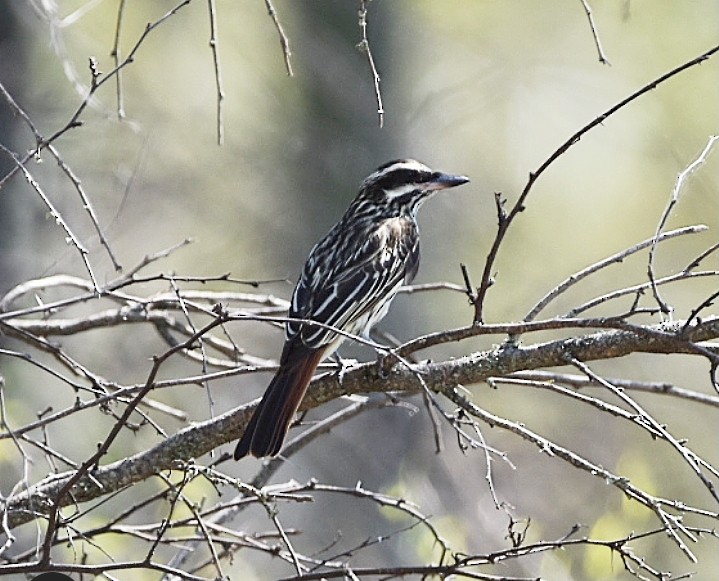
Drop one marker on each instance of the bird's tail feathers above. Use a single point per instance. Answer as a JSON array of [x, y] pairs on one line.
[[266, 431]]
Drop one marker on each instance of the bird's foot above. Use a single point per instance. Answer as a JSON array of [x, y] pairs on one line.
[[343, 366]]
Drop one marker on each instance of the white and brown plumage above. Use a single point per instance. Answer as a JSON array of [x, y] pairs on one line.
[[348, 283]]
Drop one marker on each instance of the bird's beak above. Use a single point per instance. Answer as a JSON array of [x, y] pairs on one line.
[[441, 181]]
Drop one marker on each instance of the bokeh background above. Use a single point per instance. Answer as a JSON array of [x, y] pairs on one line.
[[484, 88]]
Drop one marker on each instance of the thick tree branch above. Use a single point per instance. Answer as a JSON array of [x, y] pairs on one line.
[[441, 377]]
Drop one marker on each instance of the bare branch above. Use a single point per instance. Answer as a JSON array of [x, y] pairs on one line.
[[363, 46], [284, 41], [117, 58], [561, 150], [615, 258], [441, 377], [214, 47], [578, 381], [595, 35], [177, 501], [71, 238], [681, 178]]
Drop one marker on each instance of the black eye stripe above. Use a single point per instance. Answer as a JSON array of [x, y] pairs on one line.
[[398, 172], [401, 177]]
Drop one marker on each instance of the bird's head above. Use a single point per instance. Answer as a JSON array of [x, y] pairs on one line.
[[405, 183]]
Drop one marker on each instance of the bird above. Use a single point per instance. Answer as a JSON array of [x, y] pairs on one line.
[[347, 283]]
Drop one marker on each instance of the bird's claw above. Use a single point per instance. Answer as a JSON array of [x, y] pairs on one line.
[[343, 366]]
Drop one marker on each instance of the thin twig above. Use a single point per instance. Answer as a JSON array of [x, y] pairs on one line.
[[588, 11], [550, 385], [86, 204], [71, 238], [74, 120], [116, 57], [431, 286], [615, 258], [93, 460], [469, 289], [697, 261], [689, 456], [214, 47], [363, 46], [707, 302], [656, 504], [21, 113], [519, 205], [638, 289], [673, 200], [284, 41], [582, 381], [272, 513]]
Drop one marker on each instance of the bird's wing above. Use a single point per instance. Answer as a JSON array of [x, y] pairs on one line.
[[348, 289]]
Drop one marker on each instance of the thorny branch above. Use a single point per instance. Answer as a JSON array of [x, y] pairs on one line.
[[506, 219]]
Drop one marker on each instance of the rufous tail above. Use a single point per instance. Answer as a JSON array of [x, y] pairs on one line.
[[266, 431]]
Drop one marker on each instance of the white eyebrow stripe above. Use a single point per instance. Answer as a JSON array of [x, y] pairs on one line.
[[400, 191]]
